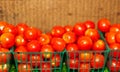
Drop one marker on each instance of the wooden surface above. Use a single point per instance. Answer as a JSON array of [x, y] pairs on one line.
[[44, 14]]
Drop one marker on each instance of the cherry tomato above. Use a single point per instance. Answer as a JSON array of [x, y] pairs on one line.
[[4, 55], [68, 28], [24, 68], [57, 31], [84, 43], [47, 51], [69, 37], [115, 47], [44, 39], [2, 25], [21, 28], [84, 67], [97, 61], [45, 67], [20, 41], [33, 46], [30, 33], [99, 45], [35, 60], [104, 25], [89, 24], [21, 55], [117, 37], [114, 65], [7, 40], [4, 68], [110, 37], [56, 59], [72, 50], [73, 63], [93, 34], [58, 44], [85, 56], [114, 29], [79, 29]]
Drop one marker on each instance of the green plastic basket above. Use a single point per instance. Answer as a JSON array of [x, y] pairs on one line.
[[37, 66], [89, 68]]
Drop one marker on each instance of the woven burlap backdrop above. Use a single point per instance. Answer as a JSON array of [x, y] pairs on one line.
[[46, 13]]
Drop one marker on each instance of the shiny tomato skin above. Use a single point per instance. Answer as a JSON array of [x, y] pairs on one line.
[[69, 37], [114, 29], [93, 34], [33, 46], [117, 37], [58, 44], [68, 28], [9, 29], [47, 51], [110, 37], [45, 67], [20, 41], [24, 68], [7, 40], [104, 25], [44, 39], [85, 56], [56, 59], [99, 45], [89, 24], [30, 34], [73, 63], [97, 61], [3, 24], [4, 67], [84, 67], [84, 43], [4, 55], [116, 48], [72, 50], [57, 31], [21, 28], [114, 65], [79, 29], [21, 55]]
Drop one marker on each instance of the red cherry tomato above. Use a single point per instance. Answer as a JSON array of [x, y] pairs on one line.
[[72, 50], [115, 47], [33, 46], [110, 37], [84, 67], [7, 40], [31, 34], [117, 37], [2, 25], [104, 25], [99, 45], [45, 67], [85, 56], [47, 51], [97, 61], [44, 39], [20, 54], [57, 31], [73, 63], [79, 29], [68, 28], [58, 44], [4, 55], [21, 28], [24, 68], [56, 59], [84, 43], [93, 34], [20, 41], [89, 24], [114, 29], [69, 37]]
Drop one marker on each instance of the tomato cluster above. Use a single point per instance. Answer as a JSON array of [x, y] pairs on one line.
[[112, 37]]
